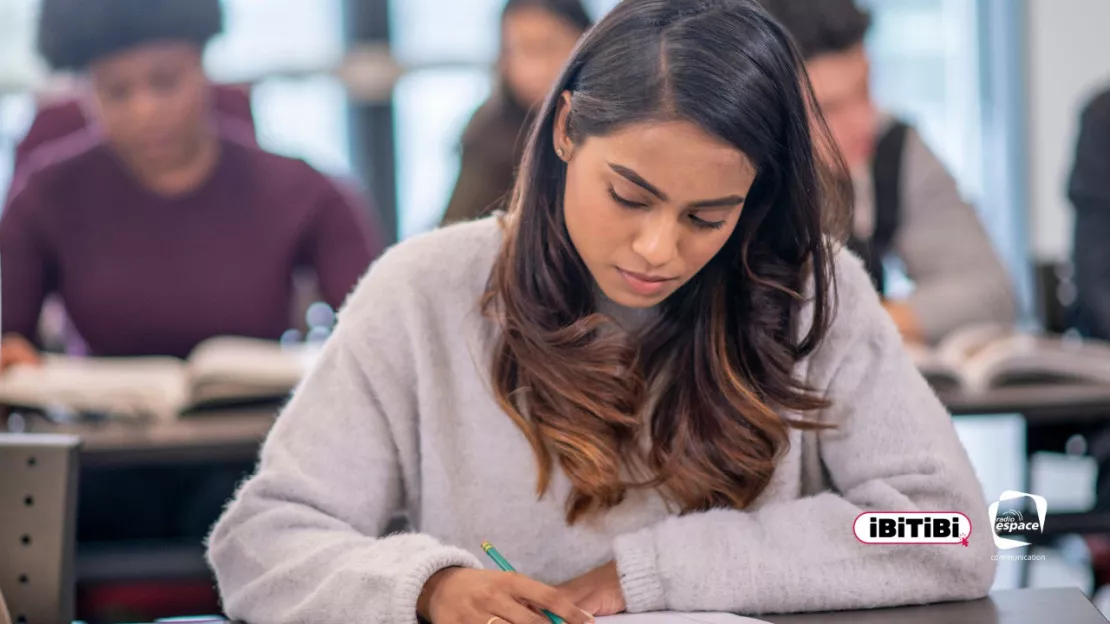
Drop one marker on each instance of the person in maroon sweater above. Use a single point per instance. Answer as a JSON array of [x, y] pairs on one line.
[[58, 117], [157, 226], [161, 225]]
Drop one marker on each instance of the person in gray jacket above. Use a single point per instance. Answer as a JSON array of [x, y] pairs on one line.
[[908, 205]]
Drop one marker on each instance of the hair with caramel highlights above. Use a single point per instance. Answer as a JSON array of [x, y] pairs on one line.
[[591, 399]]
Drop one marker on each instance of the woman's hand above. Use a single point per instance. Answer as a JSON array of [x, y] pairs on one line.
[[597, 591], [906, 320], [465, 596], [15, 349]]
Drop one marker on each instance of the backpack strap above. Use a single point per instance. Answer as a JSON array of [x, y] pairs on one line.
[[886, 175]]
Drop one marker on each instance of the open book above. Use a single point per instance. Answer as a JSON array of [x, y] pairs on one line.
[[219, 371], [982, 357]]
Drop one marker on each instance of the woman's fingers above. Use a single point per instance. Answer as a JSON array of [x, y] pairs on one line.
[[512, 612], [550, 599], [462, 596]]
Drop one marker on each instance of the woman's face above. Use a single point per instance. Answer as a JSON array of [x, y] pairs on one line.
[[535, 44], [842, 90], [650, 205], [152, 101]]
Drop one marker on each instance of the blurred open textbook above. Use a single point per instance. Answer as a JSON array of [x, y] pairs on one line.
[[980, 358], [220, 371]]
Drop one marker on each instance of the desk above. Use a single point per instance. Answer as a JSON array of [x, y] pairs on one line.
[[218, 436], [1052, 413], [1020, 606], [1040, 405], [236, 434], [206, 438]]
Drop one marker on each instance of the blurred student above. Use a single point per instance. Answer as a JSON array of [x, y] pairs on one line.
[[60, 116], [908, 206], [1089, 191], [158, 226], [537, 37], [656, 383]]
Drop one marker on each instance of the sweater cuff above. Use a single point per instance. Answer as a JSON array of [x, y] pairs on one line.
[[421, 568], [639, 572]]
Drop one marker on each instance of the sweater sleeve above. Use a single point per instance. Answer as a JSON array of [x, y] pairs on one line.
[[27, 262], [959, 278], [342, 240], [893, 449], [301, 540]]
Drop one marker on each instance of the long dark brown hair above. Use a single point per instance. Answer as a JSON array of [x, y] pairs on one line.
[[716, 367]]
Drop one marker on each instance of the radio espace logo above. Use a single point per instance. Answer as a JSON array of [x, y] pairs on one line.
[[912, 527], [1011, 520]]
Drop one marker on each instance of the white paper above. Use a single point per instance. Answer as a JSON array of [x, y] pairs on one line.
[[671, 617]]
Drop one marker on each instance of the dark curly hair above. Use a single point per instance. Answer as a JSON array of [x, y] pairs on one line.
[[821, 26], [74, 33], [718, 428]]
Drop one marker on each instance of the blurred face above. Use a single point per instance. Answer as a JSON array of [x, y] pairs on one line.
[[842, 89], [535, 45], [650, 205], [152, 101]]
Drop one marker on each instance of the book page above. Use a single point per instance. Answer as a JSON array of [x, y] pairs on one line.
[[232, 368], [939, 374], [1025, 359], [674, 617], [128, 387], [961, 345]]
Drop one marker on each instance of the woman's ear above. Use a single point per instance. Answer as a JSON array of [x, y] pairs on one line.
[[560, 136]]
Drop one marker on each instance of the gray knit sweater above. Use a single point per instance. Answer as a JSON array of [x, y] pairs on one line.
[[958, 276], [398, 415]]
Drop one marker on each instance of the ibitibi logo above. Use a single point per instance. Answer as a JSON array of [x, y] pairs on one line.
[[912, 527], [1012, 521]]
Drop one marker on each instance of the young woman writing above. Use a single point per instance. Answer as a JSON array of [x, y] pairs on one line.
[[656, 383]]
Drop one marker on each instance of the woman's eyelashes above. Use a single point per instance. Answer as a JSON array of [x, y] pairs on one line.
[[708, 225], [627, 203], [635, 205]]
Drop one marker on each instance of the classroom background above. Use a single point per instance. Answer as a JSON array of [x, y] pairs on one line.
[[379, 91]]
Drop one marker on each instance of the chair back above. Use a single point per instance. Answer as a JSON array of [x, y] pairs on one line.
[[38, 503]]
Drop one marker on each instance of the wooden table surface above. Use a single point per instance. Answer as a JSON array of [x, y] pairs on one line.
[[231, 435], [235, 435]]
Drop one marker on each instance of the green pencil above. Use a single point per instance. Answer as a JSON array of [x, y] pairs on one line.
[[505, 566]]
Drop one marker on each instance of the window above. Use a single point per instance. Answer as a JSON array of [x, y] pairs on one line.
[[452, 46], [299, 111], [433, 31], [20, 69], [952, 68], [432, 107], [923, 56]]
